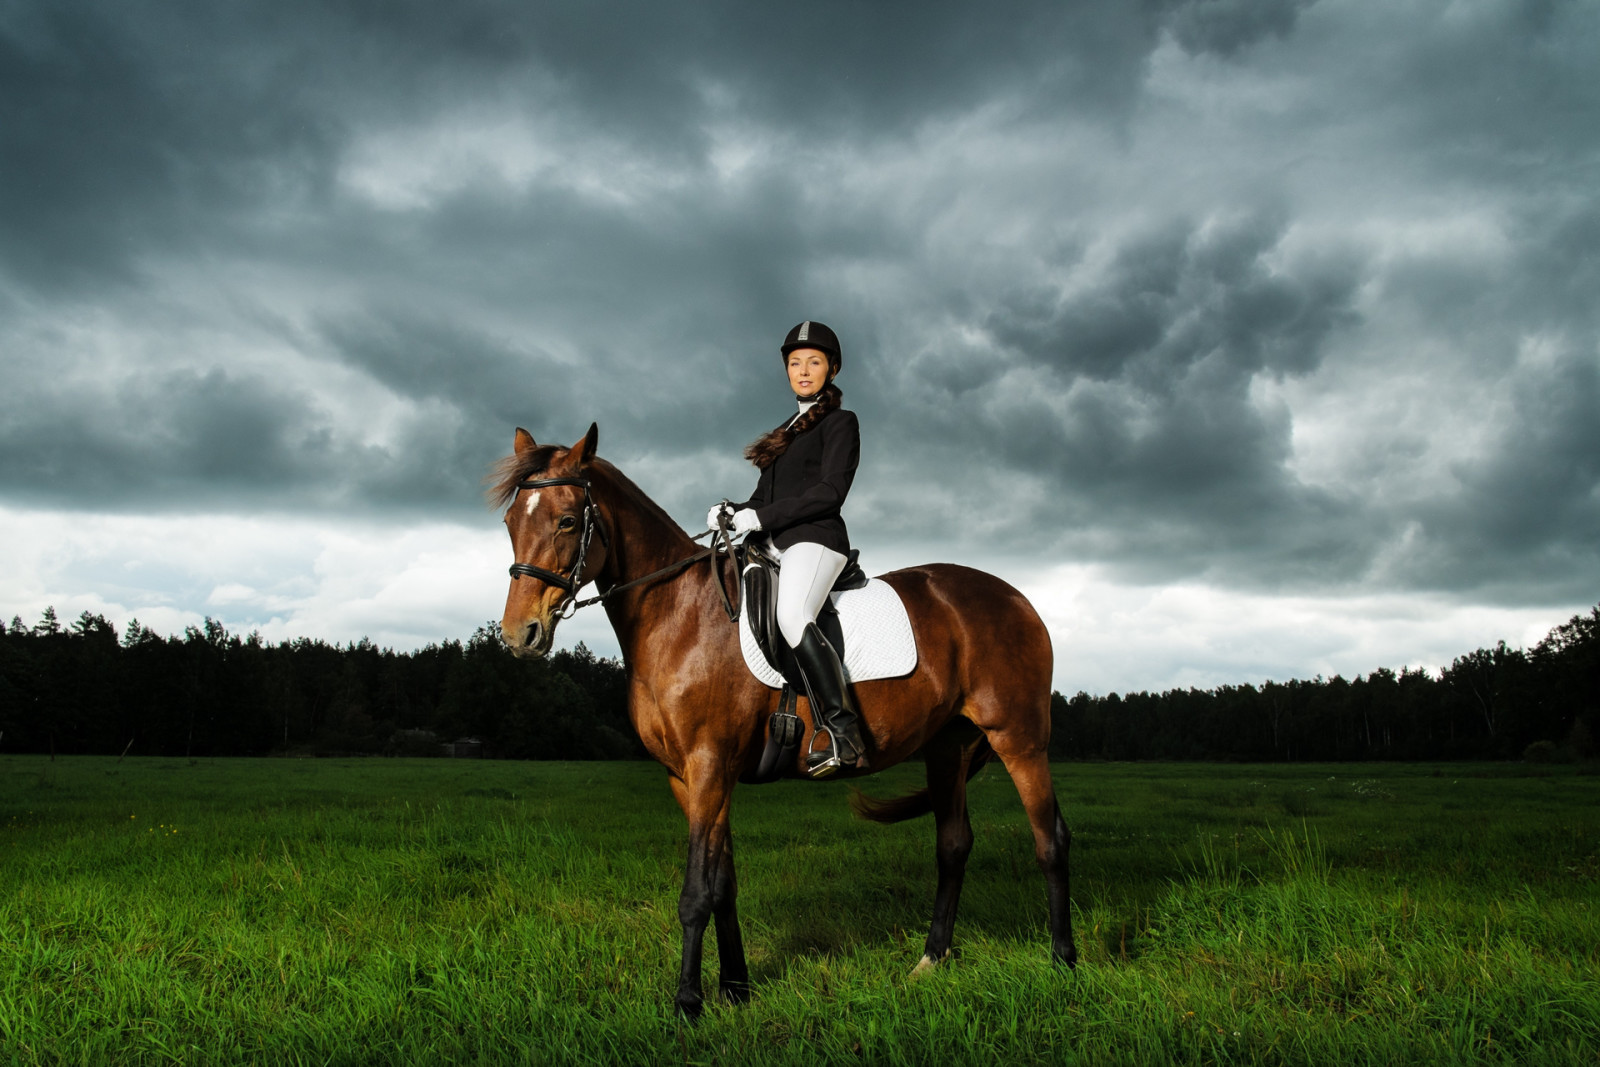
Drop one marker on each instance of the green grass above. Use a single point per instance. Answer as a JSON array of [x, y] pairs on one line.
[[380, 911]]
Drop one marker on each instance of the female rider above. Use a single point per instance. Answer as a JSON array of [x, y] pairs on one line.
[[807, 464]]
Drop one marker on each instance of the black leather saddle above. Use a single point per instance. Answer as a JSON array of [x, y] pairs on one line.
[[760, 599], [760, 578]]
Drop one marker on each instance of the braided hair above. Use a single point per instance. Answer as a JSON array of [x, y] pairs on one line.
[[765, 450]]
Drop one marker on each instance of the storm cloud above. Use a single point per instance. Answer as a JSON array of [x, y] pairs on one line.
[[1277, 299]]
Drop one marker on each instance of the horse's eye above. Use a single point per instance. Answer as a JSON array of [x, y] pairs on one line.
[[567, 522]]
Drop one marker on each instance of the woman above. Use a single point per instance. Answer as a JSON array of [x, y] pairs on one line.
[[807, 465]]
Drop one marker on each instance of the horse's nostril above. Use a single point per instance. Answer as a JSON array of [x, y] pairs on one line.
[[531, 639]]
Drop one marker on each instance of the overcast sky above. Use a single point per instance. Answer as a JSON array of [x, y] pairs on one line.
[[1250, 339]]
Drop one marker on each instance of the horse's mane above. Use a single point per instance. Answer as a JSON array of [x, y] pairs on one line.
[[517, 467], [641, 499]]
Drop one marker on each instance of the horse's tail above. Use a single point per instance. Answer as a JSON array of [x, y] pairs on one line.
[[915, 803]]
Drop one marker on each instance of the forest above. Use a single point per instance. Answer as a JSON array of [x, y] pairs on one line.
[[83, 688]]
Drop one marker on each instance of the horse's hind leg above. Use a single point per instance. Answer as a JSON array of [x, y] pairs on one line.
[[1030, 770], [948, 756]]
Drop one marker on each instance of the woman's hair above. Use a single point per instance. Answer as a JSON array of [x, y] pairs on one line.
[[769, 446]]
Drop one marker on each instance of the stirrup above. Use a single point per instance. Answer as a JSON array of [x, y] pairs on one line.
[[831, 763]]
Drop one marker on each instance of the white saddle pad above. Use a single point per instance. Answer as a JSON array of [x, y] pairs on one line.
[[878, 642]]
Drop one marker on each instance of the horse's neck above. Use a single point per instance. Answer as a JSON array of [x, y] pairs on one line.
[[666, 620], [643, 536], [644, 539]]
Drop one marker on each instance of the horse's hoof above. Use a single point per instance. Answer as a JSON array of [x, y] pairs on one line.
[[1067, 958], [927, 964], [691, 1008], [735, 992]]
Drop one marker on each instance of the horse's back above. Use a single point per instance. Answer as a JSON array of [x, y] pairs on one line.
[[976, 595], [977, 627]]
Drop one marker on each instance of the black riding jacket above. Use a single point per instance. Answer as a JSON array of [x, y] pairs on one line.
[[798, 497]]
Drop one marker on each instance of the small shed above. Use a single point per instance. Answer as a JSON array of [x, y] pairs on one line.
[[464, 748]]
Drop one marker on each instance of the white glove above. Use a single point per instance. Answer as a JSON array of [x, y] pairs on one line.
[[745, 521], [716, 512]]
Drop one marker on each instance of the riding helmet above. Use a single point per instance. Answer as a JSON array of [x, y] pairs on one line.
[[814, 335]]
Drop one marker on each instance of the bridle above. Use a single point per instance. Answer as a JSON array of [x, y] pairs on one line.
[[572, 581]]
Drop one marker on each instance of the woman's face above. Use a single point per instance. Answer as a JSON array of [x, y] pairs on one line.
[[808, 371]]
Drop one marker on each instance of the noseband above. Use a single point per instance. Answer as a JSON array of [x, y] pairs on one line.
[[571, 582]]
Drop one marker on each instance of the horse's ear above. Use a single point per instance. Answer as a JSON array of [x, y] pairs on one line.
[[523, 441], [583, 451]]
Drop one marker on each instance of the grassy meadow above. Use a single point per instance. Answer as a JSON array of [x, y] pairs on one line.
[[432, 911]]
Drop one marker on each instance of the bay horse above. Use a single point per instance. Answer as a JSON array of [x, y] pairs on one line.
[[981, 687]]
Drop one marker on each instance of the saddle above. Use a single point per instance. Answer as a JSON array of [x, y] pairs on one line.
[[759, 589]]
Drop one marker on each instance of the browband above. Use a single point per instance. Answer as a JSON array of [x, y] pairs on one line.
[[540, 483]]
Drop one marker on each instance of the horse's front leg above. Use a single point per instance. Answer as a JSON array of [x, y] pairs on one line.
[[709, 889]]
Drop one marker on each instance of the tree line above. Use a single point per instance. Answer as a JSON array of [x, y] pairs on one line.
[[1491, 703], [83, 688]]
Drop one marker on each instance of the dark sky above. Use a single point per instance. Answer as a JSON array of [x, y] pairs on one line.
[[1249, 339]]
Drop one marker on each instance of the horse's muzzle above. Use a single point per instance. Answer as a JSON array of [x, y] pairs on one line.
[[533, 641]]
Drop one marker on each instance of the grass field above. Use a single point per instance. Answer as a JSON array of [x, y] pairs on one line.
[[390, 911]]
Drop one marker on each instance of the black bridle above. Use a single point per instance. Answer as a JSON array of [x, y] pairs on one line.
[[571, 582], [574, 580]]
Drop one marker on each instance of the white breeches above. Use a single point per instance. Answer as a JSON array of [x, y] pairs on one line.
[[809, 571]]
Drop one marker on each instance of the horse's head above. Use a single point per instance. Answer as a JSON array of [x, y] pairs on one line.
[[557, 537]]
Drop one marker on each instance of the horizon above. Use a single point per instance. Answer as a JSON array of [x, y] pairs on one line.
[[1436, 672]]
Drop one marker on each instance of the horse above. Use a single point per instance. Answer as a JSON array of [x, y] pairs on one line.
[[981, 687]]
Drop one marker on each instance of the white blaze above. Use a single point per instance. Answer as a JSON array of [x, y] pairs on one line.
[[533, 501]]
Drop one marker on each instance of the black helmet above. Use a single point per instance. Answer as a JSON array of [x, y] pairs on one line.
[[814, 335]]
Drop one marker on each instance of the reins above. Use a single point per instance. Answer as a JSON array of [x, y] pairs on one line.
[[726, 548], [571, 583]]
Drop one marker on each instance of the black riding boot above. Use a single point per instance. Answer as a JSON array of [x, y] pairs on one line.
[[833, 707]]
